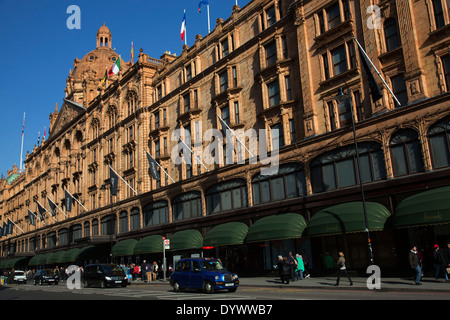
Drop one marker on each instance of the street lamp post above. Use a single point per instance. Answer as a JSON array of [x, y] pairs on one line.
[[344, 97]]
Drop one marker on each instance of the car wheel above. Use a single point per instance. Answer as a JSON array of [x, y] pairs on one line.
[[208, 287], [176, 286]]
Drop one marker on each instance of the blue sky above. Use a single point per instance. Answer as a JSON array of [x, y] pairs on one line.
[[38, 50]]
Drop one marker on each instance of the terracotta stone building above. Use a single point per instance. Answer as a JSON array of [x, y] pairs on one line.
[[271, 72]]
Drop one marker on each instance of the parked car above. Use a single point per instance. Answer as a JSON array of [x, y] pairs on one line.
[[20, 276], [45, 276], [207, 274], [104, 275]]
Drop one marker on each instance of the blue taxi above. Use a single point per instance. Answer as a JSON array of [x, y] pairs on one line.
[[207, 274]]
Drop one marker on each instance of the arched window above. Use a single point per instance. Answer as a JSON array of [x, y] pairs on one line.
[[51, 242], [95, 227], [135, 219], [156, 213], [338, 168], [439, 140], [391, 34], [288, 183], [228, 195], [123, 221], [108, 225], [76, 232], [187, 206], [406, 153], [62, 237], [87, 229], [112, 116]]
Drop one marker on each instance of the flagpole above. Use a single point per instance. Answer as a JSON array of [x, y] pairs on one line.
[[75, 200], [161, 167], [198, 159], [251, 154], [185, 27], [16, 225], [47, 211], [21, 148], [379, 74], [123, 180], [58, 207]]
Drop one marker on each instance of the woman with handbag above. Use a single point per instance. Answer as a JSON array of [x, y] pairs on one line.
[[342, 268]]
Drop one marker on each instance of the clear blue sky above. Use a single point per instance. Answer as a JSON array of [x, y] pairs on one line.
[[37, 51]]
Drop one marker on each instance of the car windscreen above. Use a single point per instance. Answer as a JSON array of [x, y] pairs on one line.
[[18, 273], [112, 269], [212, 265]]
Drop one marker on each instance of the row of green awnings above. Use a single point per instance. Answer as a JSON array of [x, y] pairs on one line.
[[430, 207], [65, 256], [347, 218], [13, 263]]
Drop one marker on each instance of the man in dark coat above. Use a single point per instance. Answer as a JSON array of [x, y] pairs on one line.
[[439, 262], [414, 263]]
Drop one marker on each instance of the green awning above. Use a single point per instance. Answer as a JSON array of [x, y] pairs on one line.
[[347, 218], [149, 244], [230, 233], [55, 257], [186, 239], [36, 260], [70, 255], [277, 227], [425, 208], [13, 263], [124, 248]]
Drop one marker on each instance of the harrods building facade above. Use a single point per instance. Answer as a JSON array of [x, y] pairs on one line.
[[273, 64]]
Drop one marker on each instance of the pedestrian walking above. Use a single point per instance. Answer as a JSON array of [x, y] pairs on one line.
[[280, 267], [300, 266], [306, 263], [414, 262], [342, 268], [292, 266], [286, 271], [447, 258], [439, 261]]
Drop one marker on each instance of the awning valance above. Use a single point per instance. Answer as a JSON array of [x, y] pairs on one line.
[[149, 244], [124, 248], [347, 218], [425, 208], [231, 233], [186, 239], [277, 227]]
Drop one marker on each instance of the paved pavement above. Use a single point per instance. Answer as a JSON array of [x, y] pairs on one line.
[[328, 282]]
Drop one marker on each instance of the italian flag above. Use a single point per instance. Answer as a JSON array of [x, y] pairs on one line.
[[115, 68]]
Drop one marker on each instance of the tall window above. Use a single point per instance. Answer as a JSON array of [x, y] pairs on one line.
[[274, 93], [156, 213], [391, 34], [223, 81], [439, 140], [290, 182], [123, 221], [334, 15], [135, 219], [228, 195], [271, 17], [277, 136], [446, 68], [338, 168], [399, 89], [438, 14], [339, 57], [271, 53], [187, 206], [406, 152]]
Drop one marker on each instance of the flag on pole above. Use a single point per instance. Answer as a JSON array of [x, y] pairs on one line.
[[183, 28], [41, 211], [68, 201], [375, 91], [204, 2], [105, 78], [31, 216], [115, 68], [44, 134], [113, 179], [52, 206], [153, 164], [132, 53]]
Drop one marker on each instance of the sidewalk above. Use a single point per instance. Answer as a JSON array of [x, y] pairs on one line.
[[327, 283]]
